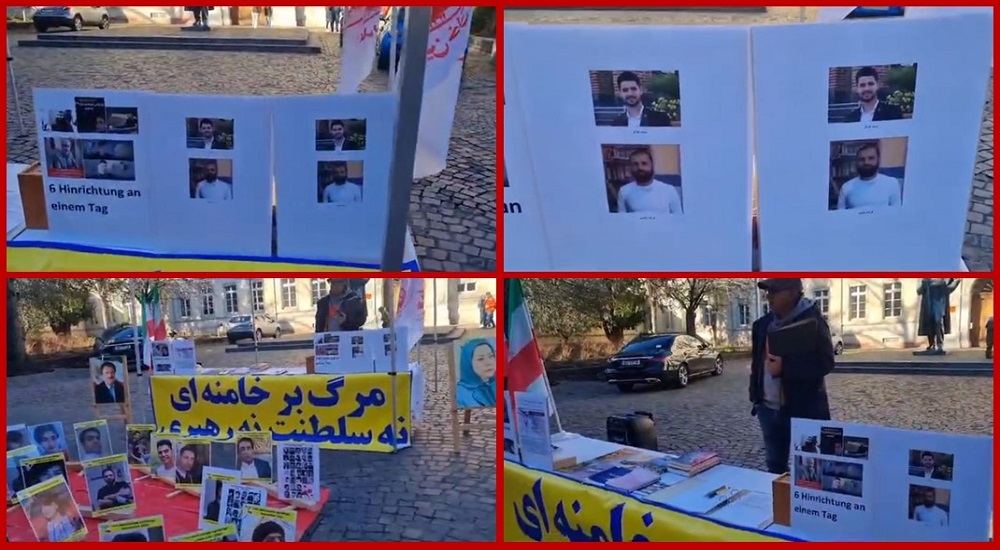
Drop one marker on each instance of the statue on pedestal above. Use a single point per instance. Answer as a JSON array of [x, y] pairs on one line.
[[935, 313], [200, 16]]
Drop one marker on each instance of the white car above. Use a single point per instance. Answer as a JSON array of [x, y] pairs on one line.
[[75, 18], [838, 343]]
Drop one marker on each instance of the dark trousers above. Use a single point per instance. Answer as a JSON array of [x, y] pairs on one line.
[[776, 428]]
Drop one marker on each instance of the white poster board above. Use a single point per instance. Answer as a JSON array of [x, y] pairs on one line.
[[693, 84], [212, 182], [855, 482], [95, 167], [380, 346], [811, 146], [526, 247], [345, 352], [333, 193], [534, 437], [510, 449]]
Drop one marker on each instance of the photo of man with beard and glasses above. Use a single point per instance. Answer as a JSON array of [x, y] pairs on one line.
[[873, 93], [643, 179], [340, 182], [636, 99], [867, 174], [211, 179]]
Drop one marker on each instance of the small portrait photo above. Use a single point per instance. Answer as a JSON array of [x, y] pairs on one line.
[[109, 379], [108, 159], [807, 473], [15, 481], [254, 457], [93, 439], [91, 115], [211, 179], [340, 181], [209, 133], [636, 99], [162, 460], [108, 170], [357, 340], [261, 524], [53, 514], [139, 438], [161, 349], [109, 484], [123, 120], [931, 465], [63, 158], [867, 174], [643, 179], [328, 350], [43, 468], [807, 444], [58, 120], [192, 457], [872, 93], [17, 437], [844, 478], [930, 506], [340, 134], [357, 351], [856, 447], [831, 441], [49, 438], [474, 373], [329, 338], [132, 530], [211, 499]]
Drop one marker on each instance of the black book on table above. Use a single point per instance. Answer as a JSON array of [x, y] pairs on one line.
[[794, 338]]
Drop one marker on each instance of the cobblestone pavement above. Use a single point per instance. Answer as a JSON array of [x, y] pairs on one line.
[[978, 249], [452, 215], [714, 413], [425, 493]]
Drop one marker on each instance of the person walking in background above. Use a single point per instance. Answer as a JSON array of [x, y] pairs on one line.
[[482, 311], [491, 308], [267, 16], [255, 15]]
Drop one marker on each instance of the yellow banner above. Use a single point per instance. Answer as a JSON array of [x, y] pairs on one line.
[[351, 412], [541, 507]]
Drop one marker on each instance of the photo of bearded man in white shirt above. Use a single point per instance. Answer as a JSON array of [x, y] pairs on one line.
[[646, 194]]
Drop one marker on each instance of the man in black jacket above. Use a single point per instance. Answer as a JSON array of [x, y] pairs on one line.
[[782, 388], [870, 108], [636, 114], [341, 309]]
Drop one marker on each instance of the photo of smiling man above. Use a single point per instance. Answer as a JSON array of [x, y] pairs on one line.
[[636, 99]]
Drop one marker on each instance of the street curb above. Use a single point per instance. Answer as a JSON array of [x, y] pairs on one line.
[[917, 368], [290, 345]]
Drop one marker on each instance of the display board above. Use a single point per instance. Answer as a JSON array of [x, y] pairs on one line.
[[854, 482], [352, 412], [332, 160], [626, 144], [213, 164], [526, 245], [883, 187]]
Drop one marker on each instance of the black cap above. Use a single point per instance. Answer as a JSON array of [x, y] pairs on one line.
[[775, 285]]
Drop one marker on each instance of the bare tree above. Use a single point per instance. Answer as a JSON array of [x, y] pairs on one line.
[[690, 294]]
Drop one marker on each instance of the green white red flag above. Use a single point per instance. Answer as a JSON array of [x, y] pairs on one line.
[[524, 370]]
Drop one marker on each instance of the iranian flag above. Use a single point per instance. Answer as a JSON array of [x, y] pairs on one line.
[[152, 320], [524, 368]]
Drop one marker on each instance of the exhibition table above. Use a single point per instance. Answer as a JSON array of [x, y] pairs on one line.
[[29, 250], [153, 498]]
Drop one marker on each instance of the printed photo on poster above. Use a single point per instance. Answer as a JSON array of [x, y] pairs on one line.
[[636, 98], [298, 472], [340, 181], [38, 469], [222, 533], [867, 174], [931, 465], [643, 179], [474, 373], [341, 135], [57, 120], [91, 115], [210, 133], [108, 159], [268, 525], [254, 456], [62, 157], [123, 120], [108, 377], [148, 529], [871, 94], [52, 512], [162, 462], [930, 506], [15, 479], [109, 484], [843, 478], [211, 179], [210, 505], [17, 437], [93, 439], [807, 473], [191, 458], [235, 498], [139, 440]]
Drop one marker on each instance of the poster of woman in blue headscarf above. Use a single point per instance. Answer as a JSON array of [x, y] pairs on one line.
[[476, 373]]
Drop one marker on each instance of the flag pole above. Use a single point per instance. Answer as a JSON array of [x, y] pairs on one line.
[[390, 308], [434, 299], [393, 39]]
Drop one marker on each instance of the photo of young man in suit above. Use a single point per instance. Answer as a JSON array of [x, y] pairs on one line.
[[635, 114], [109, 389], [870, 108]]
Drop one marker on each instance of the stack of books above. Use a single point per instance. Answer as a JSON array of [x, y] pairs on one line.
[[692, 464]]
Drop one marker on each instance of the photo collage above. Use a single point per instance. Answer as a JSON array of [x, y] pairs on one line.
[[210, 175], [79, 144], [340, 172], [930, 474], [642, 168], [832, 462], [868, 173]]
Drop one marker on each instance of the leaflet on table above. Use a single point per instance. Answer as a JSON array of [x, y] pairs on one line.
[[872, 483], [510, 447], [174, 357], [533, 431]]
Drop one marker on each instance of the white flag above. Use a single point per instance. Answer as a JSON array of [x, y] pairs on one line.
[[410, 310], [446, 45], [358, 53]]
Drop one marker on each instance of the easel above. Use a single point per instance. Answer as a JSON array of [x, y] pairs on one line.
[[13, 89], [464, 428]]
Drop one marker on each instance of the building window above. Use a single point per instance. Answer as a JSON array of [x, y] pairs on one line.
[[288, 297], [743, 314], [207, 304], [892, 299], [231, 298], [257, 296], [822, 298], [184, 307], [858, 296], [318, 289], [466, 285]]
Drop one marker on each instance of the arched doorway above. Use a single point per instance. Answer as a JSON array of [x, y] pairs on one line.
[[980, 311]]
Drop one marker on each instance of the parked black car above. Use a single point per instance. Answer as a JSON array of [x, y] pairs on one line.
[[118, 344], [107, 333], [662, 359]]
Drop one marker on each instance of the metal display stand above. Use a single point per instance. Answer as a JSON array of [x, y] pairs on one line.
[[13, 89]]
